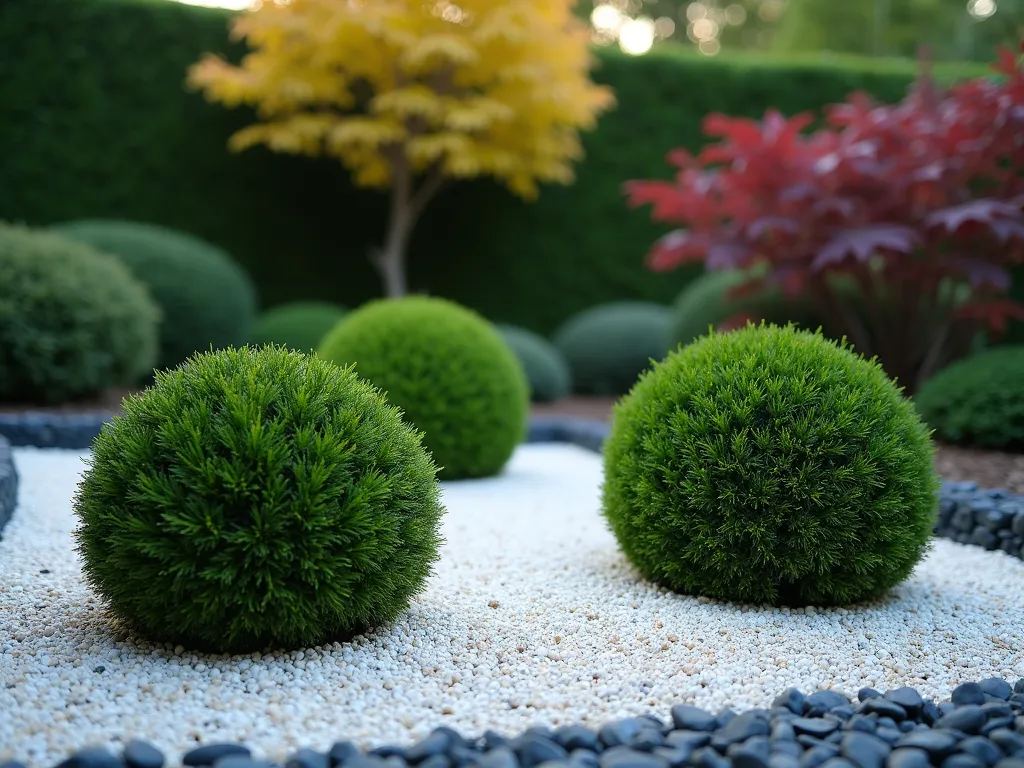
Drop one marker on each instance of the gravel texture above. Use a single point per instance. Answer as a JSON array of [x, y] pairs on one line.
[[533, 617]]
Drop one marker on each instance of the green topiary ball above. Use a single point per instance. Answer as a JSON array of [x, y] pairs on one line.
[[546, 369], [206, 298], [300, 325], [73, 321], [978, 401], [254, 498], [609, 346], [770, 465], [450, 372]]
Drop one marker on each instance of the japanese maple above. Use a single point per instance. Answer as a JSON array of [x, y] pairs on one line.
[[919, 203]]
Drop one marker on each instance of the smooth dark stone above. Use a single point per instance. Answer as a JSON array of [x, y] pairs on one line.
[[809, 741], [386, 751], [967, 693], [1011, 762], [624, 757], [465, 757], [538, 731], [689, 718], [534, 750], [862, 723], [741, 728], [835, 738], [889, 735], [141, 754], [368, 761], [983, 537], [583, 758], [554, 764], [437, 761], [777, 714], [12, 764], [907, 726], [724, 718], [675, 757], [1009, 741], [437, 743], [500, 757], [823, 701], [492, 740], [995, 686], [791, 699], [92, 757], [783, 760], [934, 742], [688, 739], [839, 762], [864, 749], [867, 693], [815, 756], [844, 712], [211, 753], [706, 757], [997, 709], [983, 749], [646, 740], [240, 761], [342, 751], [754, 753], [576, 737], [905, 757], [1018, 687], [887, 722], [619, 732], [815, 726], [648, 720], [458, 740], [397, 762], [930, 713], [996, 723], [784, 730], [908, 698], [791, 748], [884, 708], [967, 718], [962, 761]]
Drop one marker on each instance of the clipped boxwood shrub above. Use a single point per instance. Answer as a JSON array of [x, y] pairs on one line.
[[607, 347], [978, 401], [256, 498], [546, 370], [73, 321], [206, 298], [449, 371], [300, 325], [772, 465]]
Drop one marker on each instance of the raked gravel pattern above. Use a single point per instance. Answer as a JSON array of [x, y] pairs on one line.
[[533, 617]]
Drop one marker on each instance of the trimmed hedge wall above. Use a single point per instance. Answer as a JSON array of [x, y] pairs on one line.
[[96, 123]]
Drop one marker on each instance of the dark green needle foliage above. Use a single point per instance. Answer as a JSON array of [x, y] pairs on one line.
[[300, 325], [448, 369], [770, 465], [256, 498], [546, 369], [73, 321], [978, 401]]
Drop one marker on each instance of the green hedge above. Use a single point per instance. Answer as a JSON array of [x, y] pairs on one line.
[[97, 124]]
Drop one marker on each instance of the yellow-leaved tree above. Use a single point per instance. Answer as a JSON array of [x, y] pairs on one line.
[[410, 94]]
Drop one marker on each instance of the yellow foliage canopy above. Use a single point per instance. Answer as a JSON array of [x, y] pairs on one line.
[[485, 87]]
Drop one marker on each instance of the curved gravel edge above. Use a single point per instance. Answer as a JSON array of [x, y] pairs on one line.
[[8, 482]]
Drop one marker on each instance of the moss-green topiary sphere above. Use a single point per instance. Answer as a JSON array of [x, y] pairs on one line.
[[206, 298], [608, 346], [299, 325], [978, 402], [546, 369], [254, 498], [73, 321], [770, 465], [450, 372]]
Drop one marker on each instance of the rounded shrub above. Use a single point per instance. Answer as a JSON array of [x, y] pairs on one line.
[[772, 465], [300, 325], [206, 298], [608, 346], [978, 401], [256, 498], [546, 370], [450, 372], [73, 321]]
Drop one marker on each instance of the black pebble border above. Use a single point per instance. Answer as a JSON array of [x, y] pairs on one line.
[[980, 726], [52, 430], [8, 483]]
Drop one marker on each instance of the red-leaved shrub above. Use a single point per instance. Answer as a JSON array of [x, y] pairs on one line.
[[920, 203]]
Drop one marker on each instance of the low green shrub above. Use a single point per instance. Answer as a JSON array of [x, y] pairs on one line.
[[206, 298], [73, 321], [449, 371], [769, 464], [978, 401], [608, 346], [300, 325], [257, 498], [546, 369]]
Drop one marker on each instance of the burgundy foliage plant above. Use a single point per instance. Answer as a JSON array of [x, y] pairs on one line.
[[919, 204]]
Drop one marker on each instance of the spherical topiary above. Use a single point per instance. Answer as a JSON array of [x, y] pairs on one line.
[[978, 401], [546, 369], [300, 325], [73, 321], [450, 372], [608, 346], [206, 298], [254, 498], [769, 464]]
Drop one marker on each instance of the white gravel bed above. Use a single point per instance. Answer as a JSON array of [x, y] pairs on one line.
[[532, 617]]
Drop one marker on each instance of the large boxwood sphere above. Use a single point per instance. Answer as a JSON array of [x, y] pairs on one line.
[[254, 498], [770, 465], [450, 372], [299, 325], [206, 298], [73, 321], [546, 370]]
